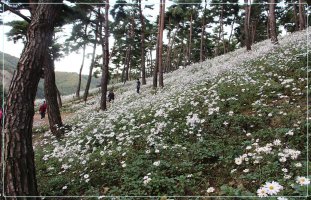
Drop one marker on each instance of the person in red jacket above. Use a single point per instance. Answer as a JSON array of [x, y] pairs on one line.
[[42, 110]]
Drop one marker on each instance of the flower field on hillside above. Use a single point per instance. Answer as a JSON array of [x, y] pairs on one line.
[[235, 125]]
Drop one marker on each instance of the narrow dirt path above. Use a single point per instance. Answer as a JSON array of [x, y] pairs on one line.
[[38, 122]]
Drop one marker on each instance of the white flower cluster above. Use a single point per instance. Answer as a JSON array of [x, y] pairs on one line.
[[147, 179], [270, 188], [193, 120]]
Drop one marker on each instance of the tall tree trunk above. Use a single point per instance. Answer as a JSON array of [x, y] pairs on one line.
[[105, 45], [231, 32], [302, 23], [222, 27], [272, 21], [132, 35], [19, 174], [203, 33], [123, 74], [125, 67], [268, 26], [151, 63], [128, 63], [219, 37], [296, 18], [246, 26], [143, 69], [82, 64], [89, 79], [169, 50], [168, 45], [156, 66], [190, 38], [55, 120], [254, 28], [161, 84]]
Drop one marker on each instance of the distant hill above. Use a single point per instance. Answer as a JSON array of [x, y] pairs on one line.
[[65, 81]]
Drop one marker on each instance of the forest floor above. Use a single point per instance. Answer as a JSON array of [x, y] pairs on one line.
[[38, 122]]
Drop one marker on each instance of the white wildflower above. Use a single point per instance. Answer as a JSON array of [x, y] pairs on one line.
[[302, 180], [157, 163], [298, 165], [262, 192], [273, 187], [238, 160], [210, 190]]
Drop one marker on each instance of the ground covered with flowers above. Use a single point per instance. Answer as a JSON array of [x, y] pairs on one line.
[[235, 125]]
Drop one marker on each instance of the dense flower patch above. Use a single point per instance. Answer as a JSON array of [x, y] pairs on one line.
[[234, 125]]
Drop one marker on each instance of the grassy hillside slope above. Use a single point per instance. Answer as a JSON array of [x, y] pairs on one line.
[[230, 126], [65, 81]]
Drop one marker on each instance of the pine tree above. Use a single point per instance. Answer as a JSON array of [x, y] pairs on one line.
[[19, 177], [105, 47], [20, 28]]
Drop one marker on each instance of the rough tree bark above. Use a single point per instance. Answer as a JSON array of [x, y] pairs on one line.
[[55, 120], [272, 22], [19, 175], [105, 69]]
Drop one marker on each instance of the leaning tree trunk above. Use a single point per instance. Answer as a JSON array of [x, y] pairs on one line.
[[105, 45], [143, 68], [302, 23], [89, 79], [82, 64], [272, 21], [19, 174], [55, 120], [246, 26], [161, 84]]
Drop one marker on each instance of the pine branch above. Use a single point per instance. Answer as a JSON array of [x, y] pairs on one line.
[[6, 7]]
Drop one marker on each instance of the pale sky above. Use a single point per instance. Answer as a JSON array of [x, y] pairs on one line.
[[72, 62]]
